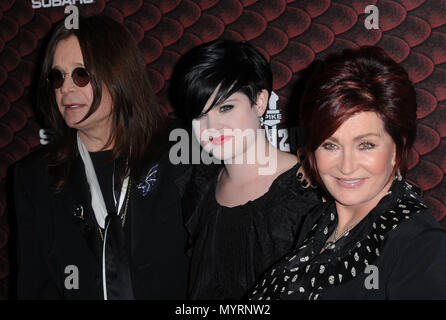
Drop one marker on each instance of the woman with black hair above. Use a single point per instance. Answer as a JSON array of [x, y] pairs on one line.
[[246, 214]]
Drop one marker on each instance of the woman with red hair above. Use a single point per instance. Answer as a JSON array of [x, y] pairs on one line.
[[373, 238]]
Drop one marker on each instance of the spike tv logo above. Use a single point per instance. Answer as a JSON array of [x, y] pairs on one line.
[[37, 4], [277, 137]]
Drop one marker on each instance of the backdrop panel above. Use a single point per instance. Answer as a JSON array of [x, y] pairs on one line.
[[291, 34]]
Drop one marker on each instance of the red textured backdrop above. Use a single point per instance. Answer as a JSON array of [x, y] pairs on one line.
[[291, 34]]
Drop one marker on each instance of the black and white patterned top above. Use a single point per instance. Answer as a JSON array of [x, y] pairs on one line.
[[398, 251]]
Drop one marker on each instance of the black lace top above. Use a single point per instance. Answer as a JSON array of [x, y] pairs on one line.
[[398, 251], [232, 247]]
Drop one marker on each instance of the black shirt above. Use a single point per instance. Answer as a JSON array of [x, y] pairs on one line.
[[232, 247], [105, 167]]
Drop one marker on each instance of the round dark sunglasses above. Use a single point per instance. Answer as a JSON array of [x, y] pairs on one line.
[[80, 77]]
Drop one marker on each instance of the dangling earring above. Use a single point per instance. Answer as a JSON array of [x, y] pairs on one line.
[[398, 175], [261, 121]]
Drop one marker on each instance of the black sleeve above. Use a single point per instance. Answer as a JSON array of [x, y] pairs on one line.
[[420, 270], [33, 278], [311, 219]]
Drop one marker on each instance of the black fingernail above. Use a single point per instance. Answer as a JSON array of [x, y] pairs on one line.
[[304, 183], [299, 176]]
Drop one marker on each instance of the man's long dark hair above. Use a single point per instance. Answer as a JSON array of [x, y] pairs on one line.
[[113, 59]]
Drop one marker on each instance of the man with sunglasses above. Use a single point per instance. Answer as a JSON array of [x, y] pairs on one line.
[[98, 216]]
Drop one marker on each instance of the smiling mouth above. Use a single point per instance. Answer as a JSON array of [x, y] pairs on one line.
[[73, 106], [350, 183]]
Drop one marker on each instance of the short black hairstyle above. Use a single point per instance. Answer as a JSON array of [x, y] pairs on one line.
[[234, 66]]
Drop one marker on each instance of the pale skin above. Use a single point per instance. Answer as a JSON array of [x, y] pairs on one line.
[[357, 166], [74, 102], [239, 183]]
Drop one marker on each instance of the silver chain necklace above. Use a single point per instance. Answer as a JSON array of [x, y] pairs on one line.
[[330, 245]]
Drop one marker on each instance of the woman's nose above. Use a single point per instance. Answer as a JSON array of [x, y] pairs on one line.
[[213, 121], [347, 163]]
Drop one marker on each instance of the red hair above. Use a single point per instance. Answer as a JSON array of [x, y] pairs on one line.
[[365, 79]]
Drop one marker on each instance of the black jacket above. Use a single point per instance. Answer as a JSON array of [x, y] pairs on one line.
[[50, 238], [398, 251]]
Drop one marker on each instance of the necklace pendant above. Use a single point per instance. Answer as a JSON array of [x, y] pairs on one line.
[[330, 245]]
